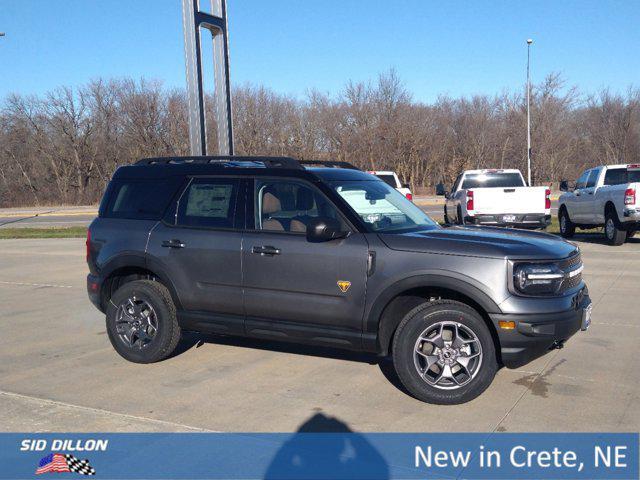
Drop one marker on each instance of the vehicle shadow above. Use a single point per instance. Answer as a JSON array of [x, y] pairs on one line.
[[599, 239], [196, 340], [310, 455], [190, 340]]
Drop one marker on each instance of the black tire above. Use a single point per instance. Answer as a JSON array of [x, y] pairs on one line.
[[612, 232], [409, 332], [567, 227], [459, 219], [447, 221], [167, 334]]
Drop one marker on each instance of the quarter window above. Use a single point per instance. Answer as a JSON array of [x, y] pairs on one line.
[[209, 202]]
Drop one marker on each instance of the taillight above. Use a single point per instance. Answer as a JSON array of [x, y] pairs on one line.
[[630, 196], [470, 200], [547, 199], [88, 243], [409, 196]]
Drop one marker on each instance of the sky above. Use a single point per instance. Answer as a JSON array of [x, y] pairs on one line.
[[457, 48]]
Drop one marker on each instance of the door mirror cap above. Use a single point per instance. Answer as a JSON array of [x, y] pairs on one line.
[[441, 189], [324, 229], [564, 186]]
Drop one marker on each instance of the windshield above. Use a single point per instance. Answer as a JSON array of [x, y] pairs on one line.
[[488, 180], [382, 207]]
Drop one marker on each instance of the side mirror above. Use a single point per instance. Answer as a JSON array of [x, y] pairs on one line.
[[564, 186], [441, 190], [324, 229]]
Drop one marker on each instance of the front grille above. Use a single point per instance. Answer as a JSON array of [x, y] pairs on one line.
[[569, 265]]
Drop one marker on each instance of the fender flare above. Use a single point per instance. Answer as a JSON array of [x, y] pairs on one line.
[[140, 261], [377, 336]]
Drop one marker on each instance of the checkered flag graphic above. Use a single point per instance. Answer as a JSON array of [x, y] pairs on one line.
[[79, 466]]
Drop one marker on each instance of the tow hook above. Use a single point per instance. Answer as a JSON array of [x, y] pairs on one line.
[[558, 344]]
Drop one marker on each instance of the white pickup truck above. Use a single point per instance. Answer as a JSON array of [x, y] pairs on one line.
[[603, 196], [497, 197]]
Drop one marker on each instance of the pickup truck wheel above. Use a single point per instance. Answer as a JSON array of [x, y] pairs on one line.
[[142, 323], [567, 228], [614, 235], [459, 219], [443, 353]]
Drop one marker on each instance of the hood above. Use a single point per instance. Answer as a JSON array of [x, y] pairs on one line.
[[482, 242]]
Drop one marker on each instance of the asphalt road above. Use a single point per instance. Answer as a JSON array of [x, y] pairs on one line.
[[62, 220], [58, 371]]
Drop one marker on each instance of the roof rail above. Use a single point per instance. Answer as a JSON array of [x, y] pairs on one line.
[[227, 161], [329, 163]]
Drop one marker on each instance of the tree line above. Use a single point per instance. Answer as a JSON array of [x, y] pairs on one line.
[[62, 147]]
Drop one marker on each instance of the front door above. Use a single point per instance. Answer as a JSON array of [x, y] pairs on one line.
[[199, 249], [292, 284]]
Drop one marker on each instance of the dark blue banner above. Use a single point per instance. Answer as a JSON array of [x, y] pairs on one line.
[[320, 455]]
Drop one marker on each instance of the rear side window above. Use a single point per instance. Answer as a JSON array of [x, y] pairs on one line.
[[139, 199], [209, 202], [388, 179], [620, 176]]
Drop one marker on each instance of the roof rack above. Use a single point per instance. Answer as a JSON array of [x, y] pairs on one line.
[[247, 162], [329, 163], [226, 161]]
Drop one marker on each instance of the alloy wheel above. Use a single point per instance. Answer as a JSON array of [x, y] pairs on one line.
[[136, 323], [447, 355]]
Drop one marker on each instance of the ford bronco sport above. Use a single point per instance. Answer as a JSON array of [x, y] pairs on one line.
[[278, 249]]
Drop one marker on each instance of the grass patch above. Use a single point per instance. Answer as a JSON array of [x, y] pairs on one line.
[[62, 232]]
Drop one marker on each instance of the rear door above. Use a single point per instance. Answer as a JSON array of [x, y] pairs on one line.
[[198, 247], [294, 287]]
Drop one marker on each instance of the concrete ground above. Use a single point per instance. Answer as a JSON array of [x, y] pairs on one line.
[[58, 371]]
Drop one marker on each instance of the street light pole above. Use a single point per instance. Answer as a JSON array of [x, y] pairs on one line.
[[529, 42]]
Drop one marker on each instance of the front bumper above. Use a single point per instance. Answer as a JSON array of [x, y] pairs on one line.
[[529, 220], [536, 334]]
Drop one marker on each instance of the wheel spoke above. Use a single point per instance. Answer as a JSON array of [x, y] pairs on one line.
[[463, 361]]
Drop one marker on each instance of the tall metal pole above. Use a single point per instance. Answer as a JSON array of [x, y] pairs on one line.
[[529, 42], [195, 22]]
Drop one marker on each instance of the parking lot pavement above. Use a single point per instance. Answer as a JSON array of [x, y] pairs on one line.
[[58, 371]]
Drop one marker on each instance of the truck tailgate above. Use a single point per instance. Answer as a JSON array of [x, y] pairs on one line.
[[509, 200]]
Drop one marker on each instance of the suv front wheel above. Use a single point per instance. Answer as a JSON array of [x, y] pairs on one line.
[[443, 353], [142, 323]]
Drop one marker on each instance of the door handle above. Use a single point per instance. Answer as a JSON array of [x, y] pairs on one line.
[[266, 250], [174, 243]]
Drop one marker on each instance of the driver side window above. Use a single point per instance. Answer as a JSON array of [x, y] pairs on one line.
[[582, 181], [289, 206]]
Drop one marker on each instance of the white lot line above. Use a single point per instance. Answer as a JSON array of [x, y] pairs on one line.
[[101, 411], [25, 284]]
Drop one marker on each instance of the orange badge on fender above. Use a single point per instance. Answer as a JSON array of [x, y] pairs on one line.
[[343, 285]]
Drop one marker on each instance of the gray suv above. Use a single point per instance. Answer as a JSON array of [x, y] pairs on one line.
[[279, 249]]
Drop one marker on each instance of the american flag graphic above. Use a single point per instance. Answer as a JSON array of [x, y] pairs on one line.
[[60, 463]]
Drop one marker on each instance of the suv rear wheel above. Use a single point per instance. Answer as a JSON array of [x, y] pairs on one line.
[[443, 353], [141, 322]]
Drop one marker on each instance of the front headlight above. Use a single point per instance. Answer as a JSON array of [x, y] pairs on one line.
[[538, 278]]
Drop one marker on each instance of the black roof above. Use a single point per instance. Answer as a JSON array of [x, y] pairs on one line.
[[162, 167]]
